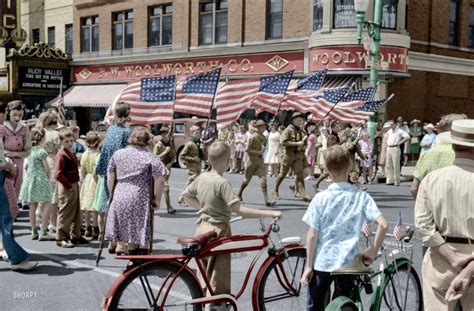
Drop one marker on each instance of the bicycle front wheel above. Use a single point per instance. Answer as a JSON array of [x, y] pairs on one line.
[[150, 287], [273, 293], [403, 291]]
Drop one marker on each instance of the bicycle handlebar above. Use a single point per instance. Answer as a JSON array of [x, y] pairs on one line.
[[266, 229]]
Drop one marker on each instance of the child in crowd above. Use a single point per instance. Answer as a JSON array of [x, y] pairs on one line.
[[67, 174], [328, 247], [35, 188], [366, 165], [211, 194], [89, 184], [100, 204], [77, 148]]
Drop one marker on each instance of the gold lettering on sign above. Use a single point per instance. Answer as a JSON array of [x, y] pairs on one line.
[[138, 70], [9, 21], [361, 56], [315, 58], [232, 65], [325, 59], [276, 63], [114, 71], [9, 4], [213, 64], [392, 58], [166, 68], [101, 72], [200, 66], [403, 59], [147, 70], [128, 71], [156, 71], [349, 58], [178, 68], [188, 67], [337, 58], [246, 65]]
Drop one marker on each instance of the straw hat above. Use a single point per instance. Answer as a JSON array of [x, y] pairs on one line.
[[386, 125], [415, 121], [431, 126], [260, 123], [296, 114], [462, 133]]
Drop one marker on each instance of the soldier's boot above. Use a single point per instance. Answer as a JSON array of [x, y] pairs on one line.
[[242, 188], [265, 197], [278, 182], [169, 208], [301, 189]]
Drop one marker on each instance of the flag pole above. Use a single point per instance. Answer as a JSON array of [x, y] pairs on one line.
[[283, 96], [212, 102], [332, 108]]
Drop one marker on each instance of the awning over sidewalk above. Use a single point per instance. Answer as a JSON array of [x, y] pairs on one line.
[[90, 95], [342, 81]]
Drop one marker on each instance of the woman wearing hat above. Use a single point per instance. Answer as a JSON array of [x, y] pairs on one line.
[[428, 139], [415, 133]]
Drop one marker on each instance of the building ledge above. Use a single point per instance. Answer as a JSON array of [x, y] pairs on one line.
[[442, 64], [348, 36]]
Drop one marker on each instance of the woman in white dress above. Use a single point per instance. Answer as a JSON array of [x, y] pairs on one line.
[[272, 157]]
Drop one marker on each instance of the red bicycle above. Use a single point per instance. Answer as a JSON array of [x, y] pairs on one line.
[[167, 282]]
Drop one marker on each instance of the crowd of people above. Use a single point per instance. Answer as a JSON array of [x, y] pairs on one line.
[[76, 193]]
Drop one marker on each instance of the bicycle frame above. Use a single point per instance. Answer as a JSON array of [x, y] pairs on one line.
[[221, 246]]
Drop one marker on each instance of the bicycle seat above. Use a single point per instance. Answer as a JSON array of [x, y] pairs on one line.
[[198, 239], [355, 267]]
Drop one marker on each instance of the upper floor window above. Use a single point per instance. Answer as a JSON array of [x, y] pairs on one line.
[[68, 38], [90, 34], [471, 27], [213, 22], [453, 22], [389, 14], [122, 34], [344, 14], [36, 35], [52, 37], [274, 19], [160, 22], [317, 15]]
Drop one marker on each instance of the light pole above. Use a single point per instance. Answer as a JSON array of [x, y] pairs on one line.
[[373, 29]]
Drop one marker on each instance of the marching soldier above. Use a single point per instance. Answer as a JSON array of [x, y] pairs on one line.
[[192, 155], [164, 148], [293, 142], [255, 165]]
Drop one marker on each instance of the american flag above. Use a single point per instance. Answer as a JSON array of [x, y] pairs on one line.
[[358, 98], [195, 94], [366, 229], [372, 106], [60, 105], [333, 96], [397, 230], [233, 98], [271, 92], [150, 100], [313, 81]]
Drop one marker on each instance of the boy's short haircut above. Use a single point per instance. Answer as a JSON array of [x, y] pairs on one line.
[[92, 139], [337, 159], [64, 133], [121, 110], [218, 152]]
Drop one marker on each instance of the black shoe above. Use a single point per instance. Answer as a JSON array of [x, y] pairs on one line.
[[25, 207], [80, 240]]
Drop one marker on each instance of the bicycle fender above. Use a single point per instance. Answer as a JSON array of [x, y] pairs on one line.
[[261, 271], [392, 268], [118, 281], [338, 303]]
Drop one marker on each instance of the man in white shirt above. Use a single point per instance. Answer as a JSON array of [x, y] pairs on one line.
[[395, 138]]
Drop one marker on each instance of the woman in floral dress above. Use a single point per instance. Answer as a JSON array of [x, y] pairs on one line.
[[17, 144], [129, 171]]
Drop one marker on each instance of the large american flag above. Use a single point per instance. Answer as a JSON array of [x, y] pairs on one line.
[[358, 98], [372, 106], [313, 81], [195, 94], [150, 100], [271, 92]]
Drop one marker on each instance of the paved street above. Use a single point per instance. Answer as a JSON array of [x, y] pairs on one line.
[[67, 279]]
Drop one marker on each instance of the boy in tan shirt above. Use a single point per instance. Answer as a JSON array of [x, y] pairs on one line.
[[211, 194]]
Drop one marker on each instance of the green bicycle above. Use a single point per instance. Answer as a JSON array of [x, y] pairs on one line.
[[397, 285]]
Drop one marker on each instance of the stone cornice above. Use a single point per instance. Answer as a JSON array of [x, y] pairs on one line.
[[443, 64]]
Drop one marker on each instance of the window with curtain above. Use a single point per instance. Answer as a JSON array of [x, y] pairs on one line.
[[213, 22], [122, 30], [90, 34], [317, 15], [68, 38], [52, 37], [453, 22], [274, 19], [389, 14], [344, 14], [160, 22]]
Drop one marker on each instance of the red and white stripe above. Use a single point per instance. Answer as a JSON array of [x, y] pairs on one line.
[[192, 103], [142, 112], [366, 229], [233, 98]]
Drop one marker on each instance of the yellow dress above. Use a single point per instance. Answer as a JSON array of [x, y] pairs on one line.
[[88, 185]]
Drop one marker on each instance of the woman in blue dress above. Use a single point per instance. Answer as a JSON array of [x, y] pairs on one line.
[[428, 140]]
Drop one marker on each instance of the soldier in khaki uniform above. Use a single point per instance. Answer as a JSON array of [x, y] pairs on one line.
[[293, 142], [164, 148], [192, 155], [255, 165]]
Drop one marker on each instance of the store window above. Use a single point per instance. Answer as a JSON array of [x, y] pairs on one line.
[[274, 19], [213, 22], [122, 34], [160, 22], [51, 37], [344, 14], [454, 22], [317, 15], [90, 34], [389, 14], [36, 35], [68, 38], [471, 27]]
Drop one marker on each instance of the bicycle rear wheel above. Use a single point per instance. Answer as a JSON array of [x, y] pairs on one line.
[[141, 289], [403, 291], [272, 295]]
